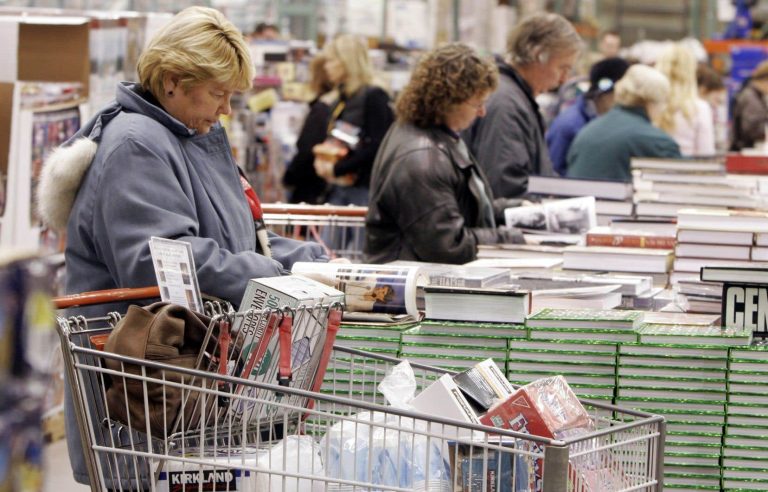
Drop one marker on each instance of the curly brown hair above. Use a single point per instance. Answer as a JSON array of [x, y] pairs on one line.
[[444, 77]]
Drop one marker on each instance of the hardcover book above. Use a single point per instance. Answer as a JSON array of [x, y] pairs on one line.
[[585, 318], [483, 305]]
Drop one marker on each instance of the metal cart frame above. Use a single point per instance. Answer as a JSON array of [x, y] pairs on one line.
[[130, 455]]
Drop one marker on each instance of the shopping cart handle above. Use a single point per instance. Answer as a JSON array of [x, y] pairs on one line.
[[106, 296]]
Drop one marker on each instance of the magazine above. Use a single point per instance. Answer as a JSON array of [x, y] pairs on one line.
[[571, 216], [387, 289]]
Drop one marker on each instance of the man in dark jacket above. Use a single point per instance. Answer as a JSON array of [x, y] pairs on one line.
[[509, 142]]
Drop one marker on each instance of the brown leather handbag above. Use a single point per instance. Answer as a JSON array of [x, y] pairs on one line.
[[165, 333]]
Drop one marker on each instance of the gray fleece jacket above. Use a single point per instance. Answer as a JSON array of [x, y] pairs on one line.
[[133, 172]]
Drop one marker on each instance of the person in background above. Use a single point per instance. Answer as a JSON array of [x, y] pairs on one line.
[[596, 101], [712, 90], [509, 142], [686, 117], [750, 111], [430, 200], [306, 186], [157, 162], [603, 149], [265, 31], [609, 44], [361, 112]]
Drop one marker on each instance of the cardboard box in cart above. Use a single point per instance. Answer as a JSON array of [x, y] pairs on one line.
[[549, 408], [308, 337]]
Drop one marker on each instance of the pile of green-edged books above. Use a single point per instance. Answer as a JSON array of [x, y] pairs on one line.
[[459, 345], [688, 385], [589, 367], [586, 325], [380, 339], [745, 450]]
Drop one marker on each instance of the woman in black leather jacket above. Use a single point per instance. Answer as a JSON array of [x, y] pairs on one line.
[[430, 201]]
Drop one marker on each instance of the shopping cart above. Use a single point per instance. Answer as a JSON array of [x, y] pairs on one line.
[[339, 229], [338, 435]]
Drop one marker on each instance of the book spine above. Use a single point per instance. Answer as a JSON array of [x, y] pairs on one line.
[[746, 164], [651, 242]]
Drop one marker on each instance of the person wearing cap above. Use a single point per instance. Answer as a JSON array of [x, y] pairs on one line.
[[588, 106], [604, 148], [509, 142]]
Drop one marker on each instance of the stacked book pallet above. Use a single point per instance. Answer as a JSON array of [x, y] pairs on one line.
[[459, 345], [589, 367], [745, 447], [680, 371]]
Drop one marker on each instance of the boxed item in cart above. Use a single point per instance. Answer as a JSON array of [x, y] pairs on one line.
[[479, 468], [548, 408], [223, 470]]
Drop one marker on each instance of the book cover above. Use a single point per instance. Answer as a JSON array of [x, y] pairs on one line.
[[571, 216], [606, 236]]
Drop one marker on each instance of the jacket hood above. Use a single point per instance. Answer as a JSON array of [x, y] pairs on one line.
[[64, 169]]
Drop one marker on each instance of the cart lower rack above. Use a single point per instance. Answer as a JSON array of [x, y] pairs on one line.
[[340, 438]]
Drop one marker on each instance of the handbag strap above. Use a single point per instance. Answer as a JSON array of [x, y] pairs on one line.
[[286, 327]]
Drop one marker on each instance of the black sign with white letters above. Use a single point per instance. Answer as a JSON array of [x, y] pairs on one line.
[[746, 305]]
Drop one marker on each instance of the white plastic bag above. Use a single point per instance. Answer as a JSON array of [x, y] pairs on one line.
[[294, 454], [399, 386]]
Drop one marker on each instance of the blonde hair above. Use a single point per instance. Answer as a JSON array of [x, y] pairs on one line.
[[678, 63], [198, 45], [537, 37], [353, 55], [640, 86]]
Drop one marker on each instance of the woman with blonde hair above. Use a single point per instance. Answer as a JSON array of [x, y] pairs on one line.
[[359, 120], [300, 176], [430, 200], [157, 162], [686, 117], [603, 149]]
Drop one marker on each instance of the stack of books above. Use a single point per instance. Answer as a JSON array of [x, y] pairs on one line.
[[459, 345], [715, 238], [680, 371], [745, 449], [664, 186], [644, 261], [612, 326], [589, 366], [371, 337], [613, 199]]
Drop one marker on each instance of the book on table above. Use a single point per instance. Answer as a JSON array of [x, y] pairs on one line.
[[468, 276], [723, 220], [612, 236], [686, 165], [704, 236], [598, 188], [752, 273], [631, 285], [570, 216], [484, 305], [585, 318], [602, 258], [694, 335], [595, 297]]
